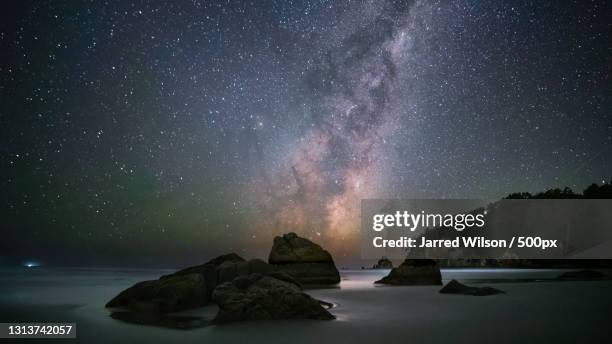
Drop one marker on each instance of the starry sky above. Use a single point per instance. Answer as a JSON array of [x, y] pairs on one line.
[[164, 133]]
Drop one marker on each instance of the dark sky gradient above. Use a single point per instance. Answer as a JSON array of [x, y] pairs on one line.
[[150, 133]]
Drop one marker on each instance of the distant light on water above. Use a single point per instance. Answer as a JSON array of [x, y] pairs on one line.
[[31, 264]]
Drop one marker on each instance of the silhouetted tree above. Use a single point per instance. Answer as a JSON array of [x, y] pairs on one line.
[[557, 194], [519, 195], [596, 191], [593, 191]]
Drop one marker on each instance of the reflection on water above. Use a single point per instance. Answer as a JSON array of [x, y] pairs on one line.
[[500, 275], [364, 279], [568, 311], [178, 322], [359, 279]]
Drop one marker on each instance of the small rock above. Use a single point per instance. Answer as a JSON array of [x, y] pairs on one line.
[[454, 287], [414, 272], [383, 263]]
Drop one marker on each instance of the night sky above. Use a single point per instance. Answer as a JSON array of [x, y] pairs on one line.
[[160, 134]]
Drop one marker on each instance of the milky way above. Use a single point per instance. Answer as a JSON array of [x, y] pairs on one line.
[[344, 157], [163, 133]]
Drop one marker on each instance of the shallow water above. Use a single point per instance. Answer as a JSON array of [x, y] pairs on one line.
[[528, 312]]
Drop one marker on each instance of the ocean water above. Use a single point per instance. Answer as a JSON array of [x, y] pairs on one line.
[[533, 310]]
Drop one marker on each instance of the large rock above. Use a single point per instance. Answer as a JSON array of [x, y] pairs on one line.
[[170, 294], [209, 270], [290, 248], [454, 287], [414, 272], [259, 297], [304, 260], [188, 288]]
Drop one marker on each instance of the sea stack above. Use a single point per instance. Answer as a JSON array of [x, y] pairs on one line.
[[383, 263], [414, 272], [304, 260]]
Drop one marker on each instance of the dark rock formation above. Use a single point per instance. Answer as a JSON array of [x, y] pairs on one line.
[[189, 288], [230, 257], [192, 287], [581, 275], [290, 248], [454, 287], [306, 261], [208, 270], [170, 294], [229, 270], [414, 272], [259, 297], [383, 263], [297, 261], [225, 268]]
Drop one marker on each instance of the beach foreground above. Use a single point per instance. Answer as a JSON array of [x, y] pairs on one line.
[[566, 312]]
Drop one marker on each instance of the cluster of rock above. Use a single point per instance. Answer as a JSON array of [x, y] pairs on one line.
[[244, 290], [185, 289], [414, 272]]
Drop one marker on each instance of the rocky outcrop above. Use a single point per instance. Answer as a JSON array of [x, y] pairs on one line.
[[230, 270], [290, 248], [260, 297], [383, 263], [215, 262], [225, 268], [188, 288], [454, 287], [209, 270], [304, 260], [170, 294], [295, 261], [414, 272]]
